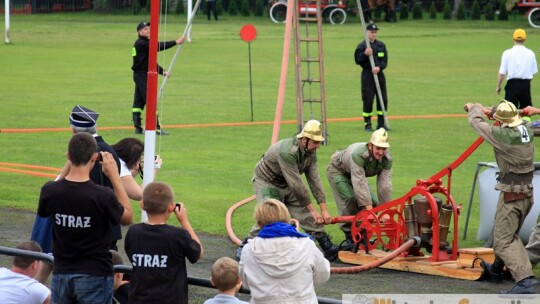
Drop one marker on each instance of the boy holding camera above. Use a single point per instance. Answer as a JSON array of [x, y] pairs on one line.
[[158, 251]]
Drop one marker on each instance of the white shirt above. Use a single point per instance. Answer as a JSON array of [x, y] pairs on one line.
[[518, 63], [16, 288], [124, 171]]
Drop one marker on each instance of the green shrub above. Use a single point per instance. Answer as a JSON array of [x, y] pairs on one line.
[[417, 11], [244, 9], [233, 9], [475, 11], [377, 13], [447, 14], [259, 8], [136, 7], [461, 12], [503, 13], [490, 13], [352, 4], [180, 9], [404, 12], [220, 9], [432, 11]]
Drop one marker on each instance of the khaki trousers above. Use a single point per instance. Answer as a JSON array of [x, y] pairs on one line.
[[507, 245], [533, 247], [264, 190]]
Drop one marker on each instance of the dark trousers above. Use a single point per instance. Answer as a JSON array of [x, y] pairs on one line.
[[369, 91], [211, 6], [518, 92], [139, 99]]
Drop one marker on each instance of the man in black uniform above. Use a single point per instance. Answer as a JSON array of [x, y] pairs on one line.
[[140, 53], [369, 90]]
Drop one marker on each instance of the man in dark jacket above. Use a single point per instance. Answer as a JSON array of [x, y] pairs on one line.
[[369, 90], [140, 53]]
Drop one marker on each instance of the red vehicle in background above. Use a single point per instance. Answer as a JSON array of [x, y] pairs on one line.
[[332, 11], [532, 11]]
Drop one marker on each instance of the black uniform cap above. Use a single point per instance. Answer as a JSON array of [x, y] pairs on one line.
[[372, 27], [142, 25], [83, 117]]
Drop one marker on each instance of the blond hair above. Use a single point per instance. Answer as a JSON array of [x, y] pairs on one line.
[[271, 211], [225, 274], [157, 196]]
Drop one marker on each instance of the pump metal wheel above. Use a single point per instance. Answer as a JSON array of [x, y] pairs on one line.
[[392, 228], [365, 230]]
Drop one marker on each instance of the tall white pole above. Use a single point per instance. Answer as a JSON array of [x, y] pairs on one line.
[[7, 12], [189, 10]]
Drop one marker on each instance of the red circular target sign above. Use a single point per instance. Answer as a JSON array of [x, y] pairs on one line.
[[248, 33]]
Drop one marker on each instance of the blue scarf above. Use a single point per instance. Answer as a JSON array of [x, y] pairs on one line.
[[280, 229]]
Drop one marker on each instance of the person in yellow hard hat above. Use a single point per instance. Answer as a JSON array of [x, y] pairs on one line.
[[518, 64], [513, 147], [278, 174], [348, 172]]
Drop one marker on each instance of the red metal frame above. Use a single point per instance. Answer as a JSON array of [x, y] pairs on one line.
[[395, 230], [312, 6]]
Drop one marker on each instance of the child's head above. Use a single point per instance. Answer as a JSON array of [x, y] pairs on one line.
[[271, 211], [81, 148], [157, 197], [225, 274]]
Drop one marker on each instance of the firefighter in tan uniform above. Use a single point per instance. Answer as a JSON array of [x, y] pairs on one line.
[[278, 175], [513, 147], [348, 172]]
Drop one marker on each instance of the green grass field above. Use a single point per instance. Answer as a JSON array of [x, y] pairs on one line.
[[59, 60]]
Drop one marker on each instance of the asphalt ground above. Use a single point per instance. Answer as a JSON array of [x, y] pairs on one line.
[[16, 226]]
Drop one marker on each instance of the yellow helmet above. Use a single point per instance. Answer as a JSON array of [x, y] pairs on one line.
[[312, 130], [507, 113], [379, 138]]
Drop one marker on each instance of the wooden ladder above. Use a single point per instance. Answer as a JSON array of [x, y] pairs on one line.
[[309, 63]]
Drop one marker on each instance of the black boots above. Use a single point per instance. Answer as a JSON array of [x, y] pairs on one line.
[[525, 286], [380, 122], [137, 121], [367, 124], [328, 248], [493, 272], [348, 244], [159, 130]]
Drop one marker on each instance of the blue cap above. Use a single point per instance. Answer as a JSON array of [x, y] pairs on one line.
[[83, 117]]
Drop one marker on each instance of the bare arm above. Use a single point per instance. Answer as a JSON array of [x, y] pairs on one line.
[[64, 171], [133, 190], [47, 300], [181, 215], [500, 79]]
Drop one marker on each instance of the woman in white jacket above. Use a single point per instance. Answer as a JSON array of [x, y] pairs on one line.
[[281, 265]]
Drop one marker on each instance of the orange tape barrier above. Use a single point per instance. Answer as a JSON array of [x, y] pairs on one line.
[[231, 124], [6, 168]]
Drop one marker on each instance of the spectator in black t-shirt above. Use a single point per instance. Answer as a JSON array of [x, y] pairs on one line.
[[82, 120], [158, 251], [82, 213]]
